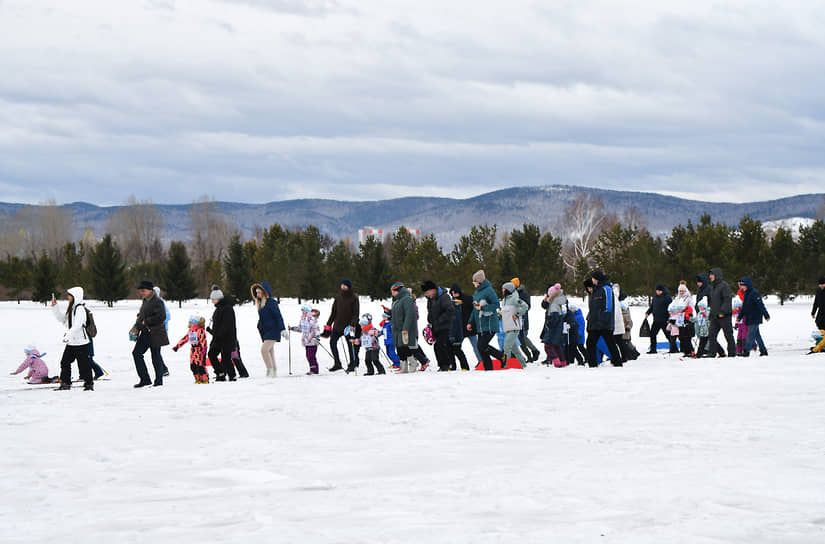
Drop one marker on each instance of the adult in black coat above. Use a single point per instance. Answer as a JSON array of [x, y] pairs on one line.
[[440, 316], [466, 310], [719, 313], [818, 310], [151, 327], [600, 320], [658, 308], [224, 336]]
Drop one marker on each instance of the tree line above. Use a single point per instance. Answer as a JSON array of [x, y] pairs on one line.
[[306, 264]]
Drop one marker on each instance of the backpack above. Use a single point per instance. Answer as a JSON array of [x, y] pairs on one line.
[[91, 328]]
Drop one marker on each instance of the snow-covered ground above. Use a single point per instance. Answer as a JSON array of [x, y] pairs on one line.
[[663, 450]]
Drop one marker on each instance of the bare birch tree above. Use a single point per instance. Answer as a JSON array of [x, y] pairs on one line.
[[586, 218], [137, 227], [210, 234]]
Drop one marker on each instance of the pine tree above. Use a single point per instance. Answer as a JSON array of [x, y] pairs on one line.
[[17, 276], [108, 272], [549, 266], [523, 246], [71, 270], [782, 264], [339, 265], [178, 276], [44, 279], [238, 270], [373, 269]]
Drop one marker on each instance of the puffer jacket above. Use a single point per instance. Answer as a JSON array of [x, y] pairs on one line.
[[270, 320], [440, 311], [512, 308], [404, 319], [224, 329], [485, 308], [721, 297], [753, 307], [600, 315], [74, 318]]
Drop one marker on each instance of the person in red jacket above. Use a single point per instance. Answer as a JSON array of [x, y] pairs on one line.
[[196, 338]]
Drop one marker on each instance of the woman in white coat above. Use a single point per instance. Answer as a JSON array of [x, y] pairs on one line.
[[76, 340]]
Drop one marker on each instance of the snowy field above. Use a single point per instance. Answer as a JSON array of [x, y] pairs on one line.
[[661, 451]]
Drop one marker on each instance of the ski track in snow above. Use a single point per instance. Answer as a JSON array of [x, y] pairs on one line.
[[663, 450]]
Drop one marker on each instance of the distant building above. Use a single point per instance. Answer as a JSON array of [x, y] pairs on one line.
[[373, 232]]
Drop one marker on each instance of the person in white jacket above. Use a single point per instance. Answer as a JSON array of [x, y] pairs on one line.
[[76, 340]]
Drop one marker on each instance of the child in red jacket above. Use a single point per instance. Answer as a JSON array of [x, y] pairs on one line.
[[196, 337]]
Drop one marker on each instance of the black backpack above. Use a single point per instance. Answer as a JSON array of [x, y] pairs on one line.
[[91, 328]]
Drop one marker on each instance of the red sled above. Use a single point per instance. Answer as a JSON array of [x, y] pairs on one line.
[[511, 363]]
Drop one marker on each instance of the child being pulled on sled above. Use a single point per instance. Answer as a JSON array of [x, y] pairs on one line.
[[196, 337], [38, 371], [819, 338], [369, 343], [310, 334]]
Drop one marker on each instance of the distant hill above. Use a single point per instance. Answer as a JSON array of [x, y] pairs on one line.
[[449, 218]]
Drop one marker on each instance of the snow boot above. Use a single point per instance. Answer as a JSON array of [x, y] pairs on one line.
[[370, 370], [335, 367], [379, 368], [89, 386], [64, 387]]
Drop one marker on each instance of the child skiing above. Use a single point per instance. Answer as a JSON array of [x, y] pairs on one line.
[[310, 333], [369, 342], [196, 337], [38, 371], [389, 345]]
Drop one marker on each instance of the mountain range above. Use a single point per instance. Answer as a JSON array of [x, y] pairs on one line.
[[449, 218]]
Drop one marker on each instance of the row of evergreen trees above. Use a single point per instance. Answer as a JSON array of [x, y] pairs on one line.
[[303, 263]]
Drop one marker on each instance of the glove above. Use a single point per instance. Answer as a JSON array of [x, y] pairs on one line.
[[285, 335], [327, 332], [175, 349], [357, 342]]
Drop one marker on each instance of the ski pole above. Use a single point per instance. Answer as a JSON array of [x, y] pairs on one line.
[[289, 348]]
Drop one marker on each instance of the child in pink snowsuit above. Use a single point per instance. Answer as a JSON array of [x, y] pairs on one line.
[[38, 371]]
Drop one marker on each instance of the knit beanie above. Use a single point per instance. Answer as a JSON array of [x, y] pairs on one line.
[[553, 288], [509, 287], [516, 282], [479, 277], [821, 280], [348, 283], [216, 294]]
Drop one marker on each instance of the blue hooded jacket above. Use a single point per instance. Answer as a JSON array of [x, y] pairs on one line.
[[753, 307], [270, 321], [486, 318]]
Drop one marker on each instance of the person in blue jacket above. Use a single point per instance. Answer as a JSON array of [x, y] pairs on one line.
[[485, 317], [270, 324], [389, 345], [753, 310]]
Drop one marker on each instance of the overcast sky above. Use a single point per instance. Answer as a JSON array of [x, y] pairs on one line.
[[262, 100]]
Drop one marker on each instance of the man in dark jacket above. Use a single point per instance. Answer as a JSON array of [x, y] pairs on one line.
[[151, 326], [702, 290], [753, 310], [720, 312], [819, 305], [600, 320], [343, 319], [224, 335], [440, 315], [529, 349], [658, 308]]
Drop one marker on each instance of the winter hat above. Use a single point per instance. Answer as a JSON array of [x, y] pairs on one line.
[[516, 282], [479, 276], [455, 290], [703, 304], [347, 283], [193, 319], [573, 308], [156, 289], [396, 286], [588, 283], [366, 319], [145, 284], [598, 275], [660, 287], [29, 349], [428, 285], [509, 287], [305, 308], [553, 289], [821, 280], [682, 287], [216, 293]]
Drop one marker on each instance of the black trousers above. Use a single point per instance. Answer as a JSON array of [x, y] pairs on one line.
[[458, 353], [443, 350], [654, 331], [726, 326], [70, 355], [485, 349], [224, 367], [610, 340]]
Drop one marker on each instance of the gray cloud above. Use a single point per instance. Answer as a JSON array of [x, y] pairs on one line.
[[257, 101]]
